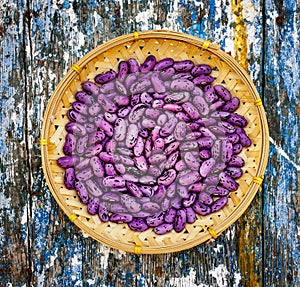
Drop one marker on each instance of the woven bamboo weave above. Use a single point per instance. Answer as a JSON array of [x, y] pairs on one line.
[[161, 44]]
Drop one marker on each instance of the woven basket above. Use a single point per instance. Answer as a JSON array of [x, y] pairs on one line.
[[160, 44]]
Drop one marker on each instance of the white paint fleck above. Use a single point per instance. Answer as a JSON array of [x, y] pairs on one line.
[[104, 253], [188, 281], [220, 274], [284, 154], [24, 216], [5, 202], [90, 281]]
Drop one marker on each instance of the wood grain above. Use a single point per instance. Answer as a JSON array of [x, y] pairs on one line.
[[39, 246]]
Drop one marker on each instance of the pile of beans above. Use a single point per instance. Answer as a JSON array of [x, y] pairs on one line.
[[154, 144]]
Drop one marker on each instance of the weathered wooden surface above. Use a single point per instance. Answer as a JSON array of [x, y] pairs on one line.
[[39, 246]]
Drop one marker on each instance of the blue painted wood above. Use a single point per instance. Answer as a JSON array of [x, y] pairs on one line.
[[39, 246]]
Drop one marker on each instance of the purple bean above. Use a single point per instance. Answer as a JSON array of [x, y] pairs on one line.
[[83, 164], [93, 188], [136, 113], [69, 178], [191, 110], [70, 144], [138, 224], [91, 88], [170, 215], [133, 65], [123, 69], [103, 212], [131, 204], [68, 161], [120, 217], [207, 166], [114, 181], [222, 92], [158, 104], [159, 145], [189, 178], [140, 86], [177, 98], [109, 169], [82, 144], [237, 148], [219, 204], [157, 83], [244, 139], [105, 126], [75, 116], [155, 219], [148, 65], [171, 190], [200, 208], [182, 85], [93, 150], [209, 94], [90, 127], [217, 191], [82, 192], [116, 207], [167, 177], [105, 77], [233, 138], [84, 98], [107, 104], [151, 207], [183, 66], [93, 205], [75, 129], [84, 174], [182, 191], [141, 163], [191, 161], [167, 73], [80, 107], [234, 172], [180, 220], [197, 187], [236, 161], [163, 228], [190, 145], [228, 182], [134, 189], [205, 142], [201, 69], [171, 160], [96, 138], [227, 150], [111, 197], [189, 201], [205, 154], [206, 198], [231, 105], [203, 80], [202, 106], [163, 64]]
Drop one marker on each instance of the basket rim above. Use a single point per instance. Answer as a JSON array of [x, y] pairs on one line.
[[168, 35]]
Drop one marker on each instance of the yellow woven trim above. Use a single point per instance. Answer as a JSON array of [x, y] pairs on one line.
[[205, 45], [43, 142], [76, 68], [136, 35], [258, 180], [212, 232], [258, 102], [137, 249], [73, 217]]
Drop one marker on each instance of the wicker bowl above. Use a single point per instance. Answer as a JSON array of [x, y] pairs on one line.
[[160, 44]]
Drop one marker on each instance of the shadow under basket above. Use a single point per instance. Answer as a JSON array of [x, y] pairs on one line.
[[161, 44]]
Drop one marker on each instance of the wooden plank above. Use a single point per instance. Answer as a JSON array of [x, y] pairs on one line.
[[14, 192], [281, 197]]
